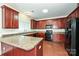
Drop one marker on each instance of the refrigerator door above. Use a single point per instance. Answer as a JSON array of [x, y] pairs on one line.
[[73, 37]]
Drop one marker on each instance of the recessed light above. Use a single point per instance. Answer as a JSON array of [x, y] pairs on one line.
[[45, 10]]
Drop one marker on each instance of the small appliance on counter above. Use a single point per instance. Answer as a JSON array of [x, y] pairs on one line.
[[48, 33]]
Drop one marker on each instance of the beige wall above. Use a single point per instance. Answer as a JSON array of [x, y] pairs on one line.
[[24, 22]]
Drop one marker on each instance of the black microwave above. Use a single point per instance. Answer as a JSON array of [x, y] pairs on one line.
[[48, 27]]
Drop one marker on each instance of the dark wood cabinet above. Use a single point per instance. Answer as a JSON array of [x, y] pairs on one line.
[[39, 49], [9, 17], [6, 17], [15, 21], [6, 49], [9, 53], [74, 14], [38, 24], [41, 24], [21, 52], [33, 24], [59, 23], [77, 12], [58, 37], [33, 35], [40, 34]]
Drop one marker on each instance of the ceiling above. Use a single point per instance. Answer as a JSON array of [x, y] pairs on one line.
[[54, 9]]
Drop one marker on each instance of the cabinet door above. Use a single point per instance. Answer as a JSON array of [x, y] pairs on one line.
[[39, 49], [6, 50], [10, 17], [41, 35], [62, 23], [37, 24], [9, 53], [40, 25], [32, 24], [58, 37], [7, 21], [74, 14], [18, 52], [78, 12], [21, 52], [43, 24], [15, 20]]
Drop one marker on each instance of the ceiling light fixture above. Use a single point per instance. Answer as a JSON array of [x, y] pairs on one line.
[[45, 10]]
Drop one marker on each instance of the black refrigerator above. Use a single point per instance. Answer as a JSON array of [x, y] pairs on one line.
[[72, 37]]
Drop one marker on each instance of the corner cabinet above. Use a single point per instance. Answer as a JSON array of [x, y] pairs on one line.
[[9, 18]]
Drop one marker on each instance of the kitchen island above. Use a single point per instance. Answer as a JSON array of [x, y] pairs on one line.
[[21, 46]]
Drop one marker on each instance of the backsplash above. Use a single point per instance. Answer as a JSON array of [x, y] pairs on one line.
[[54, 30]]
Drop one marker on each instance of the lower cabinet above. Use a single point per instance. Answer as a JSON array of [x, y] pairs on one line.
[[39, 49], [58, 37], [33, 35], [36, 51], [21, 52], [9, 53], [38, 34]]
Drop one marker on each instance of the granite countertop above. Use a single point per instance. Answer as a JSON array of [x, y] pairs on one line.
[[23, 42], [19, 32], [28, 33]]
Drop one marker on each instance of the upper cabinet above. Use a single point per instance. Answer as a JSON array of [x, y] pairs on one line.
[[9, 18], [33, 24], [41, 24], [15, 21], [77, 12], [74, 14], [38, 24]]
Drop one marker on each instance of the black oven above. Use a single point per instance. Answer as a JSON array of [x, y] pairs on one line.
[[48, 33]]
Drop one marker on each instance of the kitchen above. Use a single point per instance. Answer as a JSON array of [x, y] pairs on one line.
[[23, 28]]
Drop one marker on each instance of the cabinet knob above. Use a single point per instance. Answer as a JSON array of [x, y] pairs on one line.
[[40, 47]]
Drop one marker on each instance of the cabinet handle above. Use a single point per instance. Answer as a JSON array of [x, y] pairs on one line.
[[40, 47], [3, 48]]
